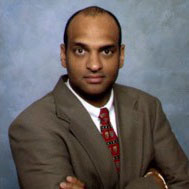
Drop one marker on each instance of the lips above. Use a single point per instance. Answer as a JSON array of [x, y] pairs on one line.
[[94, 79]]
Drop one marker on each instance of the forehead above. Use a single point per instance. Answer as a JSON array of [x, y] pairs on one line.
[[100, 28]]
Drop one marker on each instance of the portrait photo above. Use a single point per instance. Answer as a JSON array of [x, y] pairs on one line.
[[94, 94]]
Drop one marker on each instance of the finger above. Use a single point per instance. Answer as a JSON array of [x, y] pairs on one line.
[[62, 185], [74, 180], [66, 185]]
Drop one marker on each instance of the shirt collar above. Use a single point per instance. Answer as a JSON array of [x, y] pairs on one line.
[[95, 111]]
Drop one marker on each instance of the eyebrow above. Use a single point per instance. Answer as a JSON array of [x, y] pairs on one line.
[[84, 46], [107, 47]]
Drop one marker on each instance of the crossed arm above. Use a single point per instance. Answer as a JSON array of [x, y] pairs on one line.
[[42, 159], [30, 159], [74, 183]]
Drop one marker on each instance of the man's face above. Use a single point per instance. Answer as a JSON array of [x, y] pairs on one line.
[[93, 55]]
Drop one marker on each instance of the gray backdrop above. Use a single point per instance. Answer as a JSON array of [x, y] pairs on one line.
[[156, 34]]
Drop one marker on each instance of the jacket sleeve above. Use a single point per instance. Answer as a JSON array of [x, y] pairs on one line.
[[41, 157], [143, 183], [169, 157]]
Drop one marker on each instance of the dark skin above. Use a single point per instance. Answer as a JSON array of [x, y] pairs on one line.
[[72, 183], [92, 58]]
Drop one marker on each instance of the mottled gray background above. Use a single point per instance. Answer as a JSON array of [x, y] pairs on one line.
[[156, 33]]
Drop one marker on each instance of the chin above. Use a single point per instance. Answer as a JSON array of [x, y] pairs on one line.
[[98, 91]]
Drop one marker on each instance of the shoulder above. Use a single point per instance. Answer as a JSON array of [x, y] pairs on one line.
[[134, 93], [39, 116], [135, 98], [45, 105]]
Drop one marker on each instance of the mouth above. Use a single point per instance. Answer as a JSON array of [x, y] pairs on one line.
[[94, 79]]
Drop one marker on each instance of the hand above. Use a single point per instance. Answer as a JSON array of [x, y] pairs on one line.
[[158, 178], [72, 183]]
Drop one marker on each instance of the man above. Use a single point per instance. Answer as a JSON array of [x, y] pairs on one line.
[[66, 140]]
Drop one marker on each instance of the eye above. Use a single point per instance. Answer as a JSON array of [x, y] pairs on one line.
[[107, 52], [79, 51]]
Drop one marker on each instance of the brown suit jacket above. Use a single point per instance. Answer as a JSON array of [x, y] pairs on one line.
[[55, 137]]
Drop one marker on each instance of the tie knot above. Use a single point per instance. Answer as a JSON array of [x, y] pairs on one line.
[[104, 116]]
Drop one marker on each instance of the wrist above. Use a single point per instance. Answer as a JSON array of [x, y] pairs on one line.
[[158, 177]]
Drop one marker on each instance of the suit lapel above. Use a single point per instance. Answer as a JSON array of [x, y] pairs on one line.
[[88, 135], [130, 132], [83, 128]]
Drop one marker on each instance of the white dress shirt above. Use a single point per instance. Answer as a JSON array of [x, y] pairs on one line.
[[95, 111]]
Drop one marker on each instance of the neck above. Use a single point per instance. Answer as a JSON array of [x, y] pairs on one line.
[[97, 100]]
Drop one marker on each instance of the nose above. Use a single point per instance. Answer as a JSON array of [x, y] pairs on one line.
[[94, 63]]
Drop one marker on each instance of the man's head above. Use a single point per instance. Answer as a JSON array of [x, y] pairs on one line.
[[91, 11], [92, 53]]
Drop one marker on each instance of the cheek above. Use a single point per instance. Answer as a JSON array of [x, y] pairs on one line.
[[75, 71], [76, 65], [112, 69]]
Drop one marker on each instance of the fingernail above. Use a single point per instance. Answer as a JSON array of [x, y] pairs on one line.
[[63, 184], [69, 178]]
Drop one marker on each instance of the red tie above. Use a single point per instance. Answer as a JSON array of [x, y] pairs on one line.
[[109, 136]]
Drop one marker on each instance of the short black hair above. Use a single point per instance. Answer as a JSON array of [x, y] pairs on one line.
[[93, 11]]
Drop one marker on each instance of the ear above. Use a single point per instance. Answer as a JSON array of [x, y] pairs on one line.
[[63, 55], [122, 56]]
